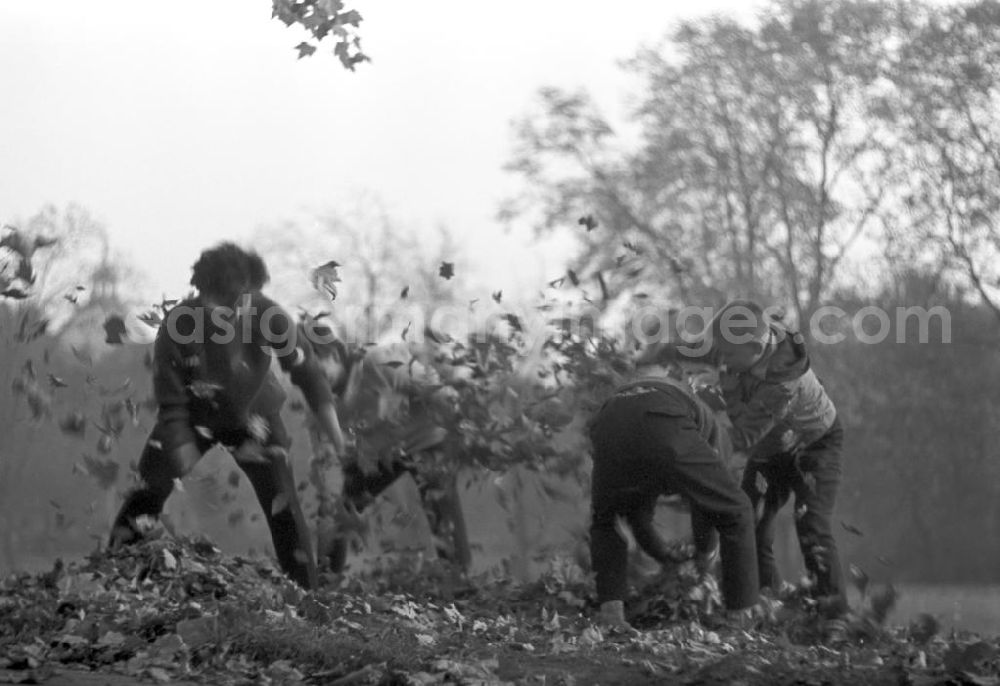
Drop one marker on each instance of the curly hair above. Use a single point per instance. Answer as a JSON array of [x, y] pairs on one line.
[[228, 270]]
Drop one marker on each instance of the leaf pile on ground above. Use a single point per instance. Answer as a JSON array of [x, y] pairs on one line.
[[177, 608]]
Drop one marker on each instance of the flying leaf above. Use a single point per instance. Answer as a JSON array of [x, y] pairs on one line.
[[105, 443], [104, 472], [350, 18], [497, 297], [556, 283], [82, 356], [258, 428], [305, 50], [446, 270], [279, 504], [56, 382], [514, 321], [860, 578], [115, 332], [589, 222], [851, 529], [325, 278], [124, 386], [604, 286]]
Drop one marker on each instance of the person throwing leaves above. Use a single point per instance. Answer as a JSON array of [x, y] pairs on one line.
[[213, 384]]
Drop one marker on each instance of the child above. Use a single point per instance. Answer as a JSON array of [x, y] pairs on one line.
[[784, 421], [213, 384], [653, 437]]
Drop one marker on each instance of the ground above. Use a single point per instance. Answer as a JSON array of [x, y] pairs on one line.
[[178, 611]]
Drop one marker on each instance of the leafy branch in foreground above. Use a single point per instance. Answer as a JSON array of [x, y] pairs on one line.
[[325, 20]]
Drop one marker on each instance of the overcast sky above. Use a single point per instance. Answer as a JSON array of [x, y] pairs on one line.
[[182, 123]]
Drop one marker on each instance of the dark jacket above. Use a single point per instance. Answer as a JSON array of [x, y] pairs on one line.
[[654, 437], [211, 375]]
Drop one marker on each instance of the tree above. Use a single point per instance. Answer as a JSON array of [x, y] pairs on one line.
[[757, 167], [947, 93], [390, 276]]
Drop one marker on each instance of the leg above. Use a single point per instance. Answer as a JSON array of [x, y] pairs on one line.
[[691, 466], [706, 541], [608, 552], [769, 504], [159, 465], [274, 484], [814, 526], [359, 490]]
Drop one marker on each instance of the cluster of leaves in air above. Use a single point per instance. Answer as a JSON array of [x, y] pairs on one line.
[[324, 20], [17, 273], [39, 387], [171, 608], [495, 400], [174, 607]]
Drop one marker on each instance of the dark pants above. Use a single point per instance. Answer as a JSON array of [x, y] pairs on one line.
[[639, 454], [158, 467], [813, 477], [360, 490]]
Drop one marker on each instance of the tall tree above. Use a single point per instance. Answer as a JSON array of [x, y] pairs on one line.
[[947, 79], [387, 270], [757, 167]]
